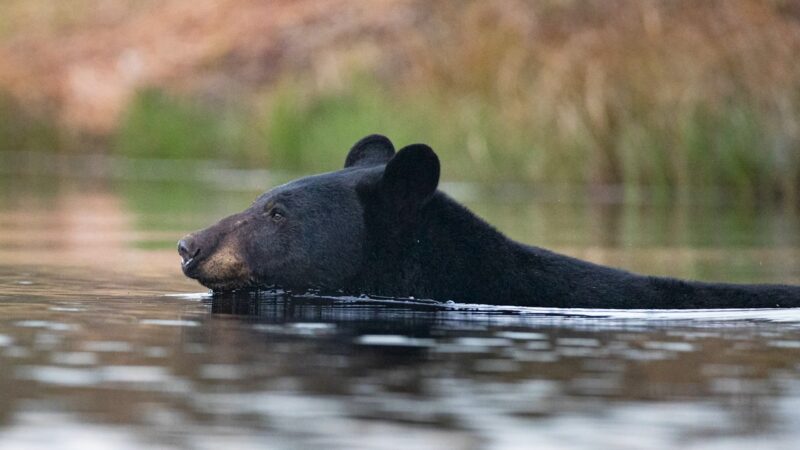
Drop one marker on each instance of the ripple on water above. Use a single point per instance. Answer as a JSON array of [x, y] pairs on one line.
[[62, 376], [641, 317], [521, 335], [313, 329], [194, 296], [729, 385], [784, 344], [670, 346], [156, 352], [50, 325], [107, 346], [537, 345], [297, 329], [169, 323], [313, 326], [535, 357], [581, 352], [646, 355], [66, 309], [221, 372], [66, 431], [74, 358], [481, 342], [393, 340], [578, 342], [46, 340], [72, 376], [134, 374]]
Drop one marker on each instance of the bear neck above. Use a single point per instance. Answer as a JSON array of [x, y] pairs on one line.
[[448, 253]]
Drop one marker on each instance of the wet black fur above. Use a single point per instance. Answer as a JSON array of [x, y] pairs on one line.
[[379, 226]]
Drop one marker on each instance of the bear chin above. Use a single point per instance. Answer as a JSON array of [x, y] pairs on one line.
[[227, 285]]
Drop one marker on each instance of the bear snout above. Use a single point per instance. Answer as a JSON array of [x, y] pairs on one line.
[[189, 251], [214, 259]]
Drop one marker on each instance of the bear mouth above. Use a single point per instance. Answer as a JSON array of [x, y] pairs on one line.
[[188, 267], [192, 269], [187, 263]]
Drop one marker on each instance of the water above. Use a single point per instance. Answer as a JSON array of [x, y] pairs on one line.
[[104, 344]]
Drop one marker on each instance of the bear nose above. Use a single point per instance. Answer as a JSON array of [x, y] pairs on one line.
[[188, 250]]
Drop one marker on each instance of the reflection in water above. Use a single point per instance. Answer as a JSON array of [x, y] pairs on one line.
[[188, 370], [100, 344]]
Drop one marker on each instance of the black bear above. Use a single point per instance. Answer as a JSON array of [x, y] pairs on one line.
[[380, 226]]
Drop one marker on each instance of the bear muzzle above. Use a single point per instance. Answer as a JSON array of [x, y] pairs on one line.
[[219, 266], [189, 252]]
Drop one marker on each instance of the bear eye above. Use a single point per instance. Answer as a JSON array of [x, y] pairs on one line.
[[276, 214]]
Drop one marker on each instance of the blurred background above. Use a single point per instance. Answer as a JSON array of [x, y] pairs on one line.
[[659, 136], [639, 122], [674, 95]]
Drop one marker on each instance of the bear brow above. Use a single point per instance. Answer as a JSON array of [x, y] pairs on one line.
[[286, 199], [276, 196]]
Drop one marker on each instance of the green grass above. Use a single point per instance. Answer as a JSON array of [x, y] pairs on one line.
[[159, 125], [687, 150], [735, 148], [551, 92], [682, 150], [308, 132], [21, 129], [314, 132]]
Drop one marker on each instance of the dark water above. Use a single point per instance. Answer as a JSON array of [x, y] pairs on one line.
[[103, 344]]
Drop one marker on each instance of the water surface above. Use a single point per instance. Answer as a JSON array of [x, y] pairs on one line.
[[104, 343]]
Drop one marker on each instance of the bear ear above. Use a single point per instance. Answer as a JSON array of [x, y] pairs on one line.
[[411, 177], [370, 151]]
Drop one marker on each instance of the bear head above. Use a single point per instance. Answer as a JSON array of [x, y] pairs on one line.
[[314, 232]]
